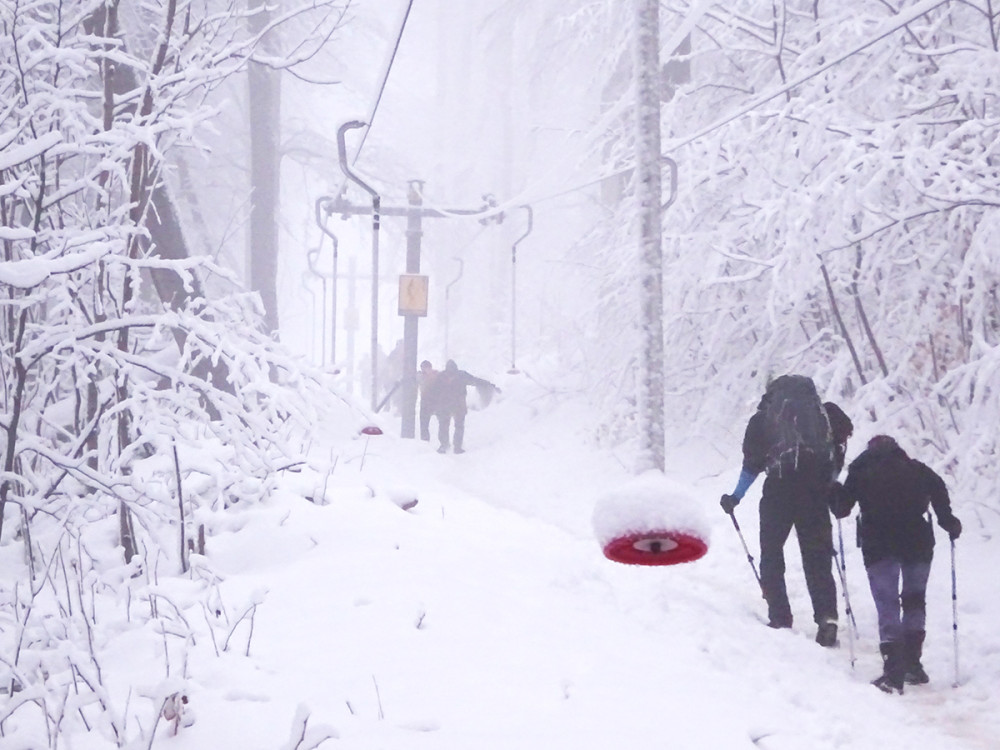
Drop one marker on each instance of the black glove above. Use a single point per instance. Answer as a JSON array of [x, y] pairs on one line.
[[729, 502], [953, 526], [838, 501]]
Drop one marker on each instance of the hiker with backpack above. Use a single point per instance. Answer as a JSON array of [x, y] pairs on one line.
[[447, 394], [893, 492], [789, 438]]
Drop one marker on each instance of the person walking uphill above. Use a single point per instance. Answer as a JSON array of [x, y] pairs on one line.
[[425, 381], [448, 396], [789, 437], [893, 492]]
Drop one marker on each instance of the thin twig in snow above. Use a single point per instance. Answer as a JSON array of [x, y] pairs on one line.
[[378, 697]]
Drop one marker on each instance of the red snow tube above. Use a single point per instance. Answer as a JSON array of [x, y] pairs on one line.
[[655, 548]]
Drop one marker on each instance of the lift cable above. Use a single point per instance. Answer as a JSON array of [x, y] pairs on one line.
[[385, 79], [525, 198]]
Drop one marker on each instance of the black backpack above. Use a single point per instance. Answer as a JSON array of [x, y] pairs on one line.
[[841, 428], [795, 424]]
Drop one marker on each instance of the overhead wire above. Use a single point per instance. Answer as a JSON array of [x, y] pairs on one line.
[[906, 18], [378, 98], [385, 79]]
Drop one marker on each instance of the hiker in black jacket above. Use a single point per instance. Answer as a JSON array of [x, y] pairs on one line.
[[799, 478], [893, 492]]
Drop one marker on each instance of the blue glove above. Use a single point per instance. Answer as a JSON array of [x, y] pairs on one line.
[[729, 502]]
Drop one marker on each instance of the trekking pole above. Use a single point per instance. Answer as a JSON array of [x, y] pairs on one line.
[[954, 609], [842, 569], [747, 550], [843, 562]]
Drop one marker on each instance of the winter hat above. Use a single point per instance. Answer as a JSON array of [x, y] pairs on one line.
[[450, 365], [882, 443]]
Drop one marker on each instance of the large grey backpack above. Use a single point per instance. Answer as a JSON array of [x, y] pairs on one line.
[[796, 424]]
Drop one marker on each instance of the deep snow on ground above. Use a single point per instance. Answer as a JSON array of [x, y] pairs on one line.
[[486, 616]]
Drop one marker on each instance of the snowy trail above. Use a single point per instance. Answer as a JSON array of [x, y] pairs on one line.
[[487, 617]]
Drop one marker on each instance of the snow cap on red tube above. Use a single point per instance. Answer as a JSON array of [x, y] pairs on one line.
[[650, 506]]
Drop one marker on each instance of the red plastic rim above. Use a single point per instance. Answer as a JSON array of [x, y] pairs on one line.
[[655, 548]]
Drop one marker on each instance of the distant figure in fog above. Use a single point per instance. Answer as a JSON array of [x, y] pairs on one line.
[[425, 382], [447, 395]]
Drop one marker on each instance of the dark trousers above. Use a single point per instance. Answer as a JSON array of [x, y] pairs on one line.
[[799, 502], [444, 424], [901, 612], [425, 421]]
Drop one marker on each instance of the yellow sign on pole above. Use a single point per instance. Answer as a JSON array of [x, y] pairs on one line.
[[412, 294]]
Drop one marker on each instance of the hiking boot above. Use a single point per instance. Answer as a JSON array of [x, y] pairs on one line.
[[443, 449], [778, 617], [826, 635], [460, 450], [888, 684], [913, 647], [892, 668], [915, 675]]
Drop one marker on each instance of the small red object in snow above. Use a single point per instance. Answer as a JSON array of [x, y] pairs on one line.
[[371, 430], [655, 548]]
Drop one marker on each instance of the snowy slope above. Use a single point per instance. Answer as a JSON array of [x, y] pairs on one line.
[[486, 616]]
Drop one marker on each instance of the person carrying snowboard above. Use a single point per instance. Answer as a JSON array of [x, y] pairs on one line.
[[789, 438], [893, 492], [448, 396]]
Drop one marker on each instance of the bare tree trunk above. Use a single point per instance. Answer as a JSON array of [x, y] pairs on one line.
[[648, 191], [864, 318], [840, 324], [166, 235], [14, 418], [265, 158], [126, 532], [150, 207]]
